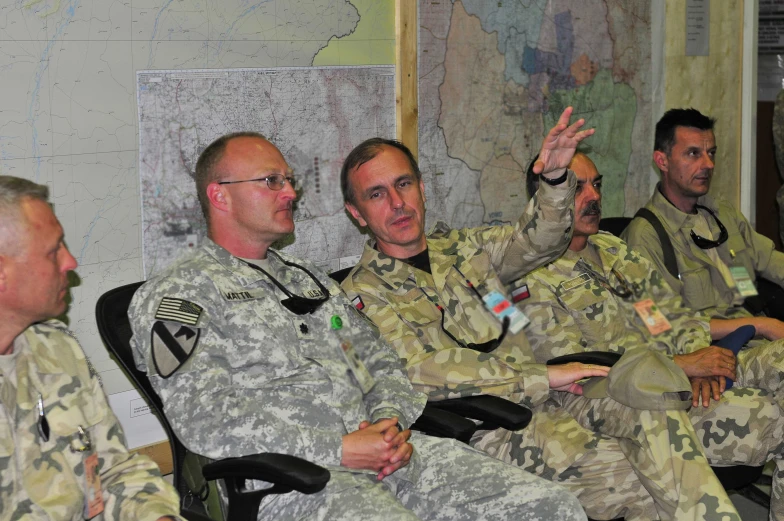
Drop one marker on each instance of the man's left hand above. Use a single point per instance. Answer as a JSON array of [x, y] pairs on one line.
[[403, 451], [560, 144], [703, 388]]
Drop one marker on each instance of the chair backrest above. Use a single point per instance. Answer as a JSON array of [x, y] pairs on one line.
[[614, 225], [114, 327]]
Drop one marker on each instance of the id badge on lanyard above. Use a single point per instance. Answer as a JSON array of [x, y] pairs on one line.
[[501, 308], [743, 281], [652, 316]]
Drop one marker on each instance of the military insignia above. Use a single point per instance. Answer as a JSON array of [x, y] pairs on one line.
[[575, 282], [304, 328], [520, 293], [172, 345], [178, 310], [357, 303]]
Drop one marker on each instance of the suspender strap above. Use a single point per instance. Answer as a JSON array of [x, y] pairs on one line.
[[666, 244]]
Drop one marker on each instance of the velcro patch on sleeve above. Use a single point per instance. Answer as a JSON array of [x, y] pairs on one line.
[[178, 310], [357, 303], [172, 346], [520, 293]]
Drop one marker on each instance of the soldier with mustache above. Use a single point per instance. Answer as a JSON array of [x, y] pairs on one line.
[[600, 296], [441, 300]]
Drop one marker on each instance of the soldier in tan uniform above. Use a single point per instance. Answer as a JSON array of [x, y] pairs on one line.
[[600, 296], [62, 451], [440, 299]]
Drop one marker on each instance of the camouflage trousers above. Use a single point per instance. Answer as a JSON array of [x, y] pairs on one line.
[[591, 466], [746, 427], [445, 480], [662, 447]]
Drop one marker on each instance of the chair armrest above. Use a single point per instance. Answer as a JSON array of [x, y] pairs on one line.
[[604, 358], [492, 411], [444, 424], [282, 469]]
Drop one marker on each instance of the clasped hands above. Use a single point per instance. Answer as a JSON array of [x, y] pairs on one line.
[[708, 370], [379, 446]]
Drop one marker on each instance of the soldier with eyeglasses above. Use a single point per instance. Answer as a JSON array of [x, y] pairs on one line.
[[253, 350]]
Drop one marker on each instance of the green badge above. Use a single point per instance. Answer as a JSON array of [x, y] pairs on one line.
[[336, 322]]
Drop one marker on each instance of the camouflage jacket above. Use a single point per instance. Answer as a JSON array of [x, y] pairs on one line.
[[45, 480], [257, 377], [700, 283], [403, 302], [572, 312]]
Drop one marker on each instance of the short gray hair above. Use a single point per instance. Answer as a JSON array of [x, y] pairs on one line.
[[13, 191]]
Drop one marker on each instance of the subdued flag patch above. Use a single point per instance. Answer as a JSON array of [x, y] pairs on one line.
[[357, 303], [178, 310], [172, 345], [520, 293]]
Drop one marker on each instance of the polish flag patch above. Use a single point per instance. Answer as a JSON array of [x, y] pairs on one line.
[[520, 293], [357, 303]]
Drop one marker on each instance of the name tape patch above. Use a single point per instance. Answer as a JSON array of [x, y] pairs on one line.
[[178, 310]]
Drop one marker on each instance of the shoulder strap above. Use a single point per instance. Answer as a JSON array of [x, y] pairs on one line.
[[666, 244]]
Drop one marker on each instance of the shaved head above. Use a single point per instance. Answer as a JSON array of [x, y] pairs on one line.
[[13, 192]]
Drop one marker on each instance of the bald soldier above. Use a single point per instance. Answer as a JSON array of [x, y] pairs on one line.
[[440, 299], [62, 451], [253, 350], [601, 295]]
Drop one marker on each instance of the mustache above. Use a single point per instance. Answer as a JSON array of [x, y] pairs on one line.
[[593, 208]]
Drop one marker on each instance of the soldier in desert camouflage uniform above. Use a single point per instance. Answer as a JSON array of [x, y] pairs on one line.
[[56, 428], [425, 293], [585, 301], [252, 350]]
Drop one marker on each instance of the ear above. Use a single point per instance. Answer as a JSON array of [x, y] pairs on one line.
[[422, 189], [356, 215], [218, 197], [660, 158]]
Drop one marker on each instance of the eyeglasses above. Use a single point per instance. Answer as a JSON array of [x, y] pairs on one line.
[[295, 303], [707, 244], [275, 182]]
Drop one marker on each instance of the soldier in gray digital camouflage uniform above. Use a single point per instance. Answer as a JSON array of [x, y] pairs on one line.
[[62, 451], [252, 350], [588, 300], [436, 298]]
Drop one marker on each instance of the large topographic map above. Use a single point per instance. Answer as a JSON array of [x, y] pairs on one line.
[[494, 77], [68, 113], [315, 116]]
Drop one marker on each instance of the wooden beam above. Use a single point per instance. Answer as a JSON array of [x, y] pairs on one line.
[[406, 73], [160, 453]]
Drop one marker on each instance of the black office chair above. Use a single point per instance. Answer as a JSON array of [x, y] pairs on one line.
[[285, 472]]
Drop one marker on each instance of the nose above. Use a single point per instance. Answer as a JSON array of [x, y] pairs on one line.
[[69, 261], [592, 193], [709, 161], [395, 200], [288, 192]]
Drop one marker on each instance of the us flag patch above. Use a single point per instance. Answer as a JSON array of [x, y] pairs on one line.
[[520, 293], [357, 303], [178, 310]]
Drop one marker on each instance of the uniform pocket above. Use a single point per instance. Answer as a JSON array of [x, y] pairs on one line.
[[697, 289]]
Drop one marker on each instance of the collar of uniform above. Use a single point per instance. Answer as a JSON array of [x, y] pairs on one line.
[[392, 271], [247, 276], [674, 219]]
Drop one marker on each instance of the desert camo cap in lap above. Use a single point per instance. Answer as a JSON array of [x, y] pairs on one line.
[[643, 379]]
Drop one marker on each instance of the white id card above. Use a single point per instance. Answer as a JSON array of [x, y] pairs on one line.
[[358, 369], [501, 307], [743, 281]]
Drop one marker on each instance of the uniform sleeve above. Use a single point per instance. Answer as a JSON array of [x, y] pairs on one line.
[[767, 261], [447, 371], [133, 489], [213, 416], [540, 235], [392, 395]]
